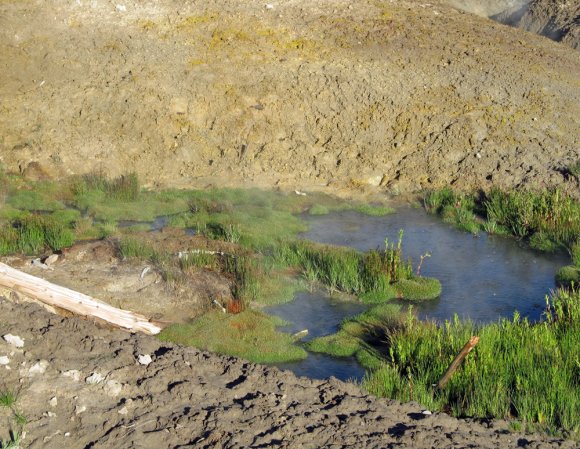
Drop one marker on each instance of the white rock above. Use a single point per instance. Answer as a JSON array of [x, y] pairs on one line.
[[51, 414], [94, 378], [269, 6], [53, 402], [38, 368], [374, 181], [4, 360], [50, 260], [145, 359], [113, 388], [38, 264], [80, 409], [123, 411], [73, 374], [427, 412], [121, 8], [14, 340], [67, 434]]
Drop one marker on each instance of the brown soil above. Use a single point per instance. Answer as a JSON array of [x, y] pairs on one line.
[[393, 96], [188, 398], [96, 269]]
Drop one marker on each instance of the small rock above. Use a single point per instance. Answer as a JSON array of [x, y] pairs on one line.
[[50, 260], [38, 264], [14, 340], [269, 6], [145, 359], [38, 368], [300, 335], [80, 409], [51, 414], [94, 379], [67, 434], [4, 360], [53, 402], [113, 388], [121, 8], [73, 374], [374, 181], [427, 412], [123, 411], [179, 106]]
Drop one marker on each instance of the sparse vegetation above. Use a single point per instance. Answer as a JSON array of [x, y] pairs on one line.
[[574, 169], [13, 442], [7, 398]]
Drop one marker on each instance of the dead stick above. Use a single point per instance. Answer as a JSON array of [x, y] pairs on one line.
[[456, 362]]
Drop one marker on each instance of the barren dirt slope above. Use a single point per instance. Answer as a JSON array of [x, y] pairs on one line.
[[400, 95], [81, 386]]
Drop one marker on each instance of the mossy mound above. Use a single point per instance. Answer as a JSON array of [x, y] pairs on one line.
[[418, 288]]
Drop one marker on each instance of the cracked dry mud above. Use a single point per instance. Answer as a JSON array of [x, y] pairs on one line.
[[189, 398]]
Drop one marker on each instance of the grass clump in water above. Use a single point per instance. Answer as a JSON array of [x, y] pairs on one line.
[[418, 288], [518, 370], [374, 210], [374, 276], [359, 336], [548, 220], [249, 334]]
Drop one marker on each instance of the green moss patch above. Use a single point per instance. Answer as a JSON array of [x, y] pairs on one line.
[[418, 288], [251, 335]]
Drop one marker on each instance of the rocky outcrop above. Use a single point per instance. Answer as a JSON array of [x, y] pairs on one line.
[[558, 20]]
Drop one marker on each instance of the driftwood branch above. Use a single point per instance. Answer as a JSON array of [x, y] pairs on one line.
[[456, 362], [78, 303]]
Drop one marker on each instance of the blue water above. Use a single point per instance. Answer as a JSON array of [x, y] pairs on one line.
[[483, 277]]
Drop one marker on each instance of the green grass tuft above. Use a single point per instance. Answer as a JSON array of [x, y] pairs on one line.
[[7, 398], [574, 169], [568, 275]]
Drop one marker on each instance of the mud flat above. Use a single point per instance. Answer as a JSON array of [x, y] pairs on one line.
[[188, 398]]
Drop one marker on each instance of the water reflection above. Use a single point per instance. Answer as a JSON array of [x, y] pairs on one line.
[[483, 277]]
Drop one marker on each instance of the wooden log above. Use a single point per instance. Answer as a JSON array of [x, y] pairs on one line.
[[75, 302], [456, 362]]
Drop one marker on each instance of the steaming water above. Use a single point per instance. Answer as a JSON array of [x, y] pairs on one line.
[[321, 315], [483, 278]]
